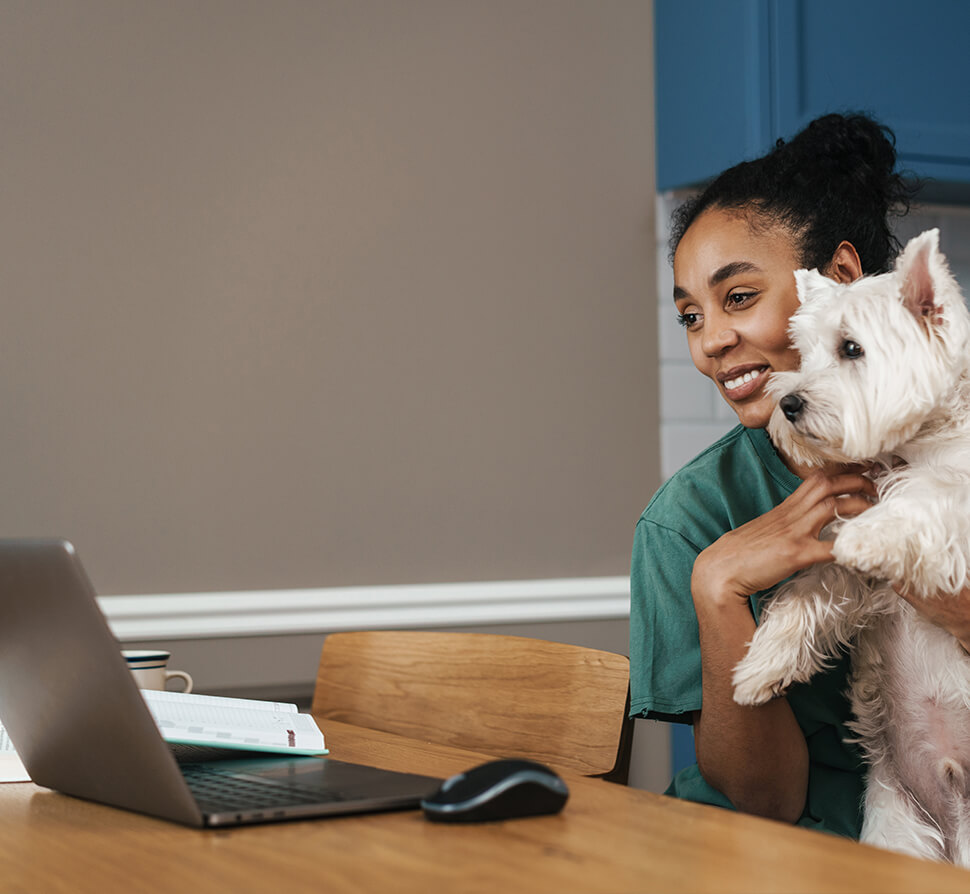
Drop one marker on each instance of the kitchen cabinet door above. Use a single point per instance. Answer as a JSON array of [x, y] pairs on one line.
[[734, 75], [906, 63], [712, 86]]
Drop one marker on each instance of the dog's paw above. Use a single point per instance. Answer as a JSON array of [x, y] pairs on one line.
[[861, 547], [903, 550], [753, 694], [752, 686]]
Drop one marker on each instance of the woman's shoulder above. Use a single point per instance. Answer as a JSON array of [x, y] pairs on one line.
[[739, 474], [705, 469]]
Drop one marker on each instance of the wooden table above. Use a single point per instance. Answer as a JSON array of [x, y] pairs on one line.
[[608, 839]]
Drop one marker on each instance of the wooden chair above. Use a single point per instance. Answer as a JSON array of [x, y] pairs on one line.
[[508, 696]]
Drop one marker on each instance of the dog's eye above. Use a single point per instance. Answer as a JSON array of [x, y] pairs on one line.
[[850, 350]]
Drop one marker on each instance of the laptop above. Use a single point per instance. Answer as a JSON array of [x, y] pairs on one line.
[[76, 717]]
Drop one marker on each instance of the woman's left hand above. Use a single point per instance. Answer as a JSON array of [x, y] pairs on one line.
[[952, 613]]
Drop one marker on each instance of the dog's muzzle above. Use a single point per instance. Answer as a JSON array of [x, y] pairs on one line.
[[792, 406]]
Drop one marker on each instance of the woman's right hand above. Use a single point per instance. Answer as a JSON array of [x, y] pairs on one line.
[[772, 547]]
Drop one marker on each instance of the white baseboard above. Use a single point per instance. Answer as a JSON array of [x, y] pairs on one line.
[[276, 612]]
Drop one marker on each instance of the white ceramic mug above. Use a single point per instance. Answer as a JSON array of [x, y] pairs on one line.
[[149, 667]]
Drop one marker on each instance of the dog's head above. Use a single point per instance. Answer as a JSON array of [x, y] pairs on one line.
[[879, 358]]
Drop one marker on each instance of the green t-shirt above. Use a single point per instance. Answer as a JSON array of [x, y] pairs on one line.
[[735, 480]]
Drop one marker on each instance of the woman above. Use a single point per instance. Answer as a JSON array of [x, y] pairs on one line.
[[740, 518]]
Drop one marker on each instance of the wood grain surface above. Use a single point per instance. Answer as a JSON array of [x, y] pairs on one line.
[[609, 838]]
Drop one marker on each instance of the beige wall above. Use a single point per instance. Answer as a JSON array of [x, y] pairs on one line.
[[319, 293]]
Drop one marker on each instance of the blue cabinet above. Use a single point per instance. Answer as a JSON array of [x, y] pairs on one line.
[[732, 76]]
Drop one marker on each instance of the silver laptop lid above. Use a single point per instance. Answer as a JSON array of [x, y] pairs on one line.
[[67, 699]]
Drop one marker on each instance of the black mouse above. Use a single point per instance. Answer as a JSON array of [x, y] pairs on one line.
[[498, 790]]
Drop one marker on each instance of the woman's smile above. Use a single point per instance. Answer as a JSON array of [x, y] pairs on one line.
[[741, 382]]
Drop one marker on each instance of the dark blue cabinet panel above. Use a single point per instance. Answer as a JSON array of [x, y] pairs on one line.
[[734, 75], [907, 63], [712, 86]]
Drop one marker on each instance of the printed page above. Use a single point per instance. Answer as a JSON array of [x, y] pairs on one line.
[[233, 723], [155, 696]]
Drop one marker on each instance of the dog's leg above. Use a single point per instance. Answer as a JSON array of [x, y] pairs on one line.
[[916, 536], [803, 627], [912, 722], [893, 817], [960, 843], [895, 821]]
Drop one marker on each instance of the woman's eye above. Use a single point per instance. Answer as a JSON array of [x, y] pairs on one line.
[[738, 298], [688, 320], [851, 350]]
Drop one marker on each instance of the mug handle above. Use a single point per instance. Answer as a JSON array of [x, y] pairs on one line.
[[183, 676]]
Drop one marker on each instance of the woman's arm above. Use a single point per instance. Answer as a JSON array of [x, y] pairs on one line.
[[757, 756], [952, 613]]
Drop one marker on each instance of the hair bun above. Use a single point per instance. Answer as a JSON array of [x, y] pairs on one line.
[[834, 181], [845, 151]]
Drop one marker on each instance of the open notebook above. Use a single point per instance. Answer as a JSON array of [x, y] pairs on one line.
[[209, 720]]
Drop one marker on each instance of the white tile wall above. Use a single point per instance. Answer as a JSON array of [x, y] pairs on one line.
[[692, 413]]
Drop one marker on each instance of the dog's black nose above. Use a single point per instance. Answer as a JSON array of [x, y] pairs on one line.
[[791, 405]]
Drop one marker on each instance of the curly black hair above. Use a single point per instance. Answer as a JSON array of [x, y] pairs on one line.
[[833, 181]]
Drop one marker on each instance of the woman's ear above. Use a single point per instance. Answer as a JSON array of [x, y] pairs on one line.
[[845, 266]]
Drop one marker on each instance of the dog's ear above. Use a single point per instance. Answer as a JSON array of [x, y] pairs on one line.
[[919, 268], [809, 283]]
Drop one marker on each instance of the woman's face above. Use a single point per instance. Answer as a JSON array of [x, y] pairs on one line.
[[734, 289]]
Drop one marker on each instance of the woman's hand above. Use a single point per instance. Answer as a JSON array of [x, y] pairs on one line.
[[774, 546], [952, 613]]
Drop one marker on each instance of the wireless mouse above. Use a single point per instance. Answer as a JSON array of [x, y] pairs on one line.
[[497, 790]]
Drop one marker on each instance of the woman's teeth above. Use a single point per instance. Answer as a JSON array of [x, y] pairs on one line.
[[731, 384]]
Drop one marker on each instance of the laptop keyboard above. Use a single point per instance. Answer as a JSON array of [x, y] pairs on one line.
[[215, 790]]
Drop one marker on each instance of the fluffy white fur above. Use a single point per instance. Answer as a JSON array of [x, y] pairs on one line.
[[885, 379]]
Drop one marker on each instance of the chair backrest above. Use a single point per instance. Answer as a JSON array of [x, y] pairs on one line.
[[509, 696]]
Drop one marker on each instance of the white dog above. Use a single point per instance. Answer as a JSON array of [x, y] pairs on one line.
[[885, 378]]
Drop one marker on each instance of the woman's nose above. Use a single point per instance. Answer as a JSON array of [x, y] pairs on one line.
[[718, 335]]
